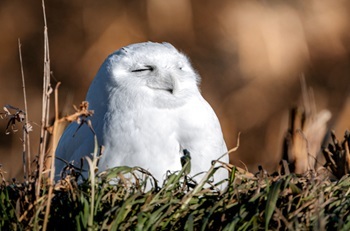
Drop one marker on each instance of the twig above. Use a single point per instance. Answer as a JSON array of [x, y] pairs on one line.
[[26, 140], [52, 168], [92, 169], [45, 118], [45, 104], [54, 133]]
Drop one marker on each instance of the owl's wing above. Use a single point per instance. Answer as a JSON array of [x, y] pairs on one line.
[[216, 132], [74, 144], [201, 135]]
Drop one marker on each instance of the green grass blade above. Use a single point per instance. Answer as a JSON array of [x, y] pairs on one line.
[[271, 201]]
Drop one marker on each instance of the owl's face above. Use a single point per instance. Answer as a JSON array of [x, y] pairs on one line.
[[155, 68]]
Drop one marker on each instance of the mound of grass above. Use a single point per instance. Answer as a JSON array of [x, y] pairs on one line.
[[250, 202]]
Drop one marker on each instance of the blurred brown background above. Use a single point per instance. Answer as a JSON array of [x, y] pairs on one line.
[[250, 55]]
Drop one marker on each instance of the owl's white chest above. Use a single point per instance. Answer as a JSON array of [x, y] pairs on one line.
[[153, 138], [134, 138]]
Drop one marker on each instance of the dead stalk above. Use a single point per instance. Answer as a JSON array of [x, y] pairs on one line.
[[45, 104], [45, 118], [26, 140], [52, 171], [54, 133]]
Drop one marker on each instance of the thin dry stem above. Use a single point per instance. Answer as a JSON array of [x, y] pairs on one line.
[[54, 133], [52, 167], [45, 118], [45, 104], [26, 140]]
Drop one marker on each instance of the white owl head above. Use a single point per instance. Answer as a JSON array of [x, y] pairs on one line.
[[154, 71]]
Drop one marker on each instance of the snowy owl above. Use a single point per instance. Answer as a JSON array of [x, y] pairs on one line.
[[147, 110]]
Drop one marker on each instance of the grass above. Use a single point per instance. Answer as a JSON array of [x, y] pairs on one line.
[[276, 202]]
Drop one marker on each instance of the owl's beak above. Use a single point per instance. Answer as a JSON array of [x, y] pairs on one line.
[[174, 83], [166, 82], [169, 83]]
